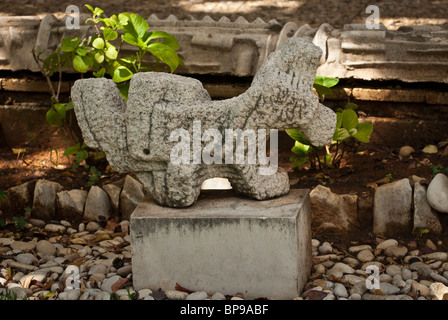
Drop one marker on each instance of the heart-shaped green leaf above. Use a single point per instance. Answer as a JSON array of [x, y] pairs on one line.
[[109, 34], [98, 43], [136, 25], [364, 129], [297, 136], [70, 44], [349, 119], [326, 81], [60, 109], [82, 63], [111, 52], [99, 57], [168, 39], [121, 74], [165, 54], [100, 73], [341, 134], [53, 118]]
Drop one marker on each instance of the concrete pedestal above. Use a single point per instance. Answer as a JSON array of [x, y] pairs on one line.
[[224, 244]]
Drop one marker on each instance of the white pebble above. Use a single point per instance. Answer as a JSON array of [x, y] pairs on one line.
[[365, 255], [218, 296], [178, 295], [339, 290], [325, 248], [143, 293], [199, 295], [387, 243], [56, 228]]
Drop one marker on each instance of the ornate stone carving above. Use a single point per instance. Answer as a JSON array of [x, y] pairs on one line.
[[224, 47]]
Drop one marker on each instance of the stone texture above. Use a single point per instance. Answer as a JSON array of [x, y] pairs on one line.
[[392, 208], [424, 216], [437, 193], [44, 200], [46, 247], [71, 203], [438, 291], [97, 204], [331, 212], [210, 46], [23, 246], [396, 251], [113, 190], [365, 209], [131, 195], [135, 136], [226, 244], [18, 198]]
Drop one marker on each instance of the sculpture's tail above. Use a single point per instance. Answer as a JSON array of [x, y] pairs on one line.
[[320, 129], [100, 111]]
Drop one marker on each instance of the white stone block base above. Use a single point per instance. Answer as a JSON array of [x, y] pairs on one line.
[[224, 244]]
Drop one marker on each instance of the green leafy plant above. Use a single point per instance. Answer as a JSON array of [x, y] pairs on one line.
[[79, 151], [94, 176], [115, 296], [19, 222], [101, 55], [438, 169], [10, 295], [323, 86], [347, 127]]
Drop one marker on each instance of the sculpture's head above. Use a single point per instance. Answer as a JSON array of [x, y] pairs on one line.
[[285, 81], [297, 52], [295, 58]]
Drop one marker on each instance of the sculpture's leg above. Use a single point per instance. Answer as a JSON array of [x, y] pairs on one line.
[[177, 186], [183, 184], [248, 181]]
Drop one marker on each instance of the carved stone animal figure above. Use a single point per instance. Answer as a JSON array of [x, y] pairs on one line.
[[136, 135]]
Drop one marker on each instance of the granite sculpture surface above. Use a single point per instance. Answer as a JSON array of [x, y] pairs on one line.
[[151, 134]]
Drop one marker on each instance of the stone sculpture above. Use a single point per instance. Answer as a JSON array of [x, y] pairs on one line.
[[137, 136]]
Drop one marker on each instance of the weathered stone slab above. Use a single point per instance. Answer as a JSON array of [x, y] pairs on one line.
[[392, 208], [71, 203], [18, 198], [224, 244], [114, 190], [424, 216], [44, 200], [97, 204], [131, 195], [331, 212]]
